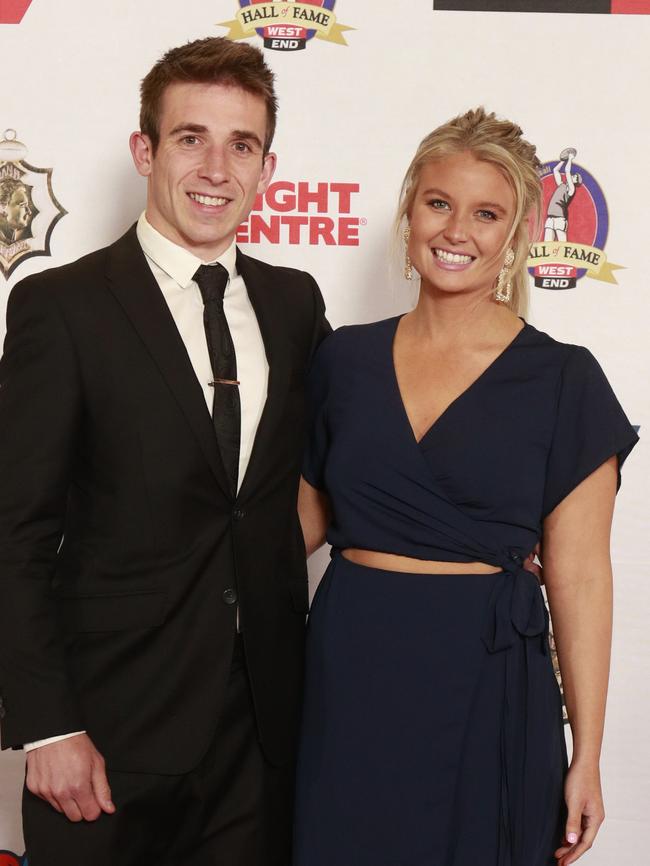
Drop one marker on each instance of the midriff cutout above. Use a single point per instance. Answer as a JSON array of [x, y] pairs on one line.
[[407, 564]]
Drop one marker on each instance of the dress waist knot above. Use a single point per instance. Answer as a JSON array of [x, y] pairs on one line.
[[516, 608]]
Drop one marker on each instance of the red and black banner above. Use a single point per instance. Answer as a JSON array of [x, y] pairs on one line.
[[591, 7]]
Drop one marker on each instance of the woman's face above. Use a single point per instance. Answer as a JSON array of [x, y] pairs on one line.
[[461, 216]]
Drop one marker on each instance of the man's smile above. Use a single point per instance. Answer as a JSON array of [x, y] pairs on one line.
[[211, 200]]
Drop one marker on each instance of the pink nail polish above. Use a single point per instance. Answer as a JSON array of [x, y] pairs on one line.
[[572, 838]]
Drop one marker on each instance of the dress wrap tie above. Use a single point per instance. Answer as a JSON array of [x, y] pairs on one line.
[[518, 625], [516, 608]]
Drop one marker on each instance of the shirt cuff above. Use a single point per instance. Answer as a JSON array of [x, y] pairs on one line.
[[29, 747]]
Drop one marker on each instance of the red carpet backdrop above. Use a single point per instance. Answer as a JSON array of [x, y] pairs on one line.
[[360, 83]]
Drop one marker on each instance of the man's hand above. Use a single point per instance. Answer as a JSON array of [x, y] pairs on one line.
[[71, 777]]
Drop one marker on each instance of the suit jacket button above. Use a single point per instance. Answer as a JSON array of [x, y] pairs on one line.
[[229, 596], [238, 514]]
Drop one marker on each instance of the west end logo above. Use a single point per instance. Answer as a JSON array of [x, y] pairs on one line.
[[28, 208], [285, 25], [575, 225]]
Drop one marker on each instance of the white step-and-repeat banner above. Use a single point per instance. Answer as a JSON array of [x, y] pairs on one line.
[[358, 90]]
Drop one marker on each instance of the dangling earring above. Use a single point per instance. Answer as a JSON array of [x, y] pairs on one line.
[[504, 285], [408, 267]]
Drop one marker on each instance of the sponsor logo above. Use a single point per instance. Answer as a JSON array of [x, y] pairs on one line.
[[12, 12], [590, 7], [8, 858], [556, 671], [304, 212], [285, 25], [576, 221], [28, 207]]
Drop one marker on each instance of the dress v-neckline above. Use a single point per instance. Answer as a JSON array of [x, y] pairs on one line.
[[456, 399]]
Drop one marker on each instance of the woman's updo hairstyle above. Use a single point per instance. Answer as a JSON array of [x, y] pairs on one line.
[[500, 143]]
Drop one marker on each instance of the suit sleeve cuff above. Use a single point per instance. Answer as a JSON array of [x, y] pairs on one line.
[[29, 747]]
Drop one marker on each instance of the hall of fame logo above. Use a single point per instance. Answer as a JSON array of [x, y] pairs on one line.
[[576, 221], [28, 207], [13, 12], [287, 25]]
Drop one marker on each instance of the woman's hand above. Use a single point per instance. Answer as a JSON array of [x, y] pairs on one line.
[[584, 801]]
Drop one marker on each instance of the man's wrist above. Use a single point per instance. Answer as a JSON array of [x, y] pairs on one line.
[[29, 747]]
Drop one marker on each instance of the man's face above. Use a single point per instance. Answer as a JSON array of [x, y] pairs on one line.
[[208, 167], [17, 211]]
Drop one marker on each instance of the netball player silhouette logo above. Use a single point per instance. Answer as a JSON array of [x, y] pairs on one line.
[[28, 208], [571, 243], [566, 186]]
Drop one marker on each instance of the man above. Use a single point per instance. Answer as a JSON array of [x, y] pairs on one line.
[[152, 567], [15, 211]]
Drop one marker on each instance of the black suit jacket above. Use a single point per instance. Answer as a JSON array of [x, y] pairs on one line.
[[122, 627]]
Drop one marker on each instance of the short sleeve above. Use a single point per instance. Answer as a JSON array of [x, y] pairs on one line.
[[590, 428], [317, 428]]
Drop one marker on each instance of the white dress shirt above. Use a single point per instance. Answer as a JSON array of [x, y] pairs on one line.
[[173, 268]]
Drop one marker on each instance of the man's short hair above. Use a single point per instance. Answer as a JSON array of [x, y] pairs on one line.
[[215, 60], [9, 186]]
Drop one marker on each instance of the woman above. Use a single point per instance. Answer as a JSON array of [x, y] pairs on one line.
[[445, 444]]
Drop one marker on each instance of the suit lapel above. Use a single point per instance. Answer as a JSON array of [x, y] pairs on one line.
[[135, 288], [264, 299]]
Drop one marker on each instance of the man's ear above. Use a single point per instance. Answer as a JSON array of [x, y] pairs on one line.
[[268, 169], [142, 153]]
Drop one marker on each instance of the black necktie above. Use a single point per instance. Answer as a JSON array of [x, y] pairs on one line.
[[226, 414]]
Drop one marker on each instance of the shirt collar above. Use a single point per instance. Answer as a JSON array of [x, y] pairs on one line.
[[177, 262]]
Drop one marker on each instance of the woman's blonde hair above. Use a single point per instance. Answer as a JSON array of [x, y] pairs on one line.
[[500, 143]]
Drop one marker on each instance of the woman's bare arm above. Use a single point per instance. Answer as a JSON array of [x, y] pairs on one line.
[[578, 578], [314, 513]]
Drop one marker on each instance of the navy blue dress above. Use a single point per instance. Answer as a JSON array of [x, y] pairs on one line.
[[432, 731]]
